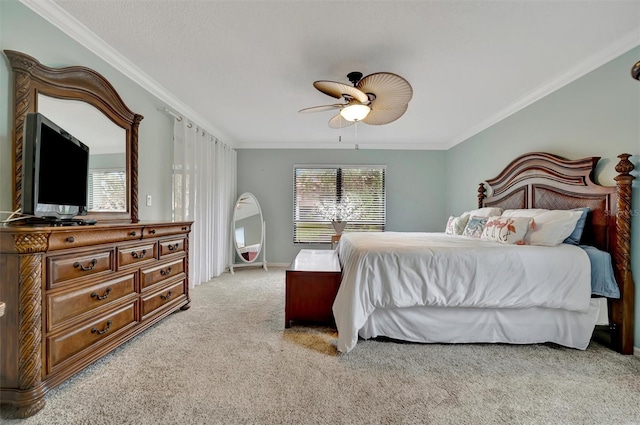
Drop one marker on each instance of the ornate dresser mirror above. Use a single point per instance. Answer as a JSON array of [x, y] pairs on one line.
[[84, 103], [248, 233]]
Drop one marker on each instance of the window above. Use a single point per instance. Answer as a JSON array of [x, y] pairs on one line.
[[363, 185], [107, 189]]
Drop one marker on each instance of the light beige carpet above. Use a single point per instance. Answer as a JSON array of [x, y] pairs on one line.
[[229, 360]]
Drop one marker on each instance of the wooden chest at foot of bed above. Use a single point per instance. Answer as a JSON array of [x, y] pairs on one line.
[[312, 282]]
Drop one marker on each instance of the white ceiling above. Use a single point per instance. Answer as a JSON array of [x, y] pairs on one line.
[[244, 68]]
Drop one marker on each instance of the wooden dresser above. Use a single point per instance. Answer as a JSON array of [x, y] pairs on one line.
[[75, 293]]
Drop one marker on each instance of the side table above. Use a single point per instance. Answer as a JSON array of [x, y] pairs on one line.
[[312, 282]]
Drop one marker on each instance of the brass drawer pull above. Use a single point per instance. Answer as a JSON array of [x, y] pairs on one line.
[[70, 239], [95, 330], [174, 247], [165, 272], [166, 297], [101, 297], [140, 255], [91, 265], [132, 233], [152, 231]]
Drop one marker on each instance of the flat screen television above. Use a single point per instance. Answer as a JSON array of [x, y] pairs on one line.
[[55, 172]]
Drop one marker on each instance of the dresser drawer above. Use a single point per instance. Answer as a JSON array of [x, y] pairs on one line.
[[164, 297], [165, 229], [73, 266], [151, 276], [172, 246], [78, 236], [67, 305], [64, 346], [137, 254]]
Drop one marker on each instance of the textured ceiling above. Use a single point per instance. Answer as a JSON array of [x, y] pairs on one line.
[[247, 67]]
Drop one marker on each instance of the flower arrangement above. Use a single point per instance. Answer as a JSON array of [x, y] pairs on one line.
[[348, 208]]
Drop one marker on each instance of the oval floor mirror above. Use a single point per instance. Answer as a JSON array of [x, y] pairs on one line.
[[248, 246]]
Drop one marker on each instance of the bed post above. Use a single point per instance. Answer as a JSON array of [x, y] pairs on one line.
[[622, 314], [481, 195]]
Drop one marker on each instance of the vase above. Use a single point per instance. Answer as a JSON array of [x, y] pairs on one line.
[[338, 226]]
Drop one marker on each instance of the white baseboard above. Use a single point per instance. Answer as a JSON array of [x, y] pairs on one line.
[[636, 351]]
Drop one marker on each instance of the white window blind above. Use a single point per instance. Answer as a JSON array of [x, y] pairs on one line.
[[362, 185], [107, 190]]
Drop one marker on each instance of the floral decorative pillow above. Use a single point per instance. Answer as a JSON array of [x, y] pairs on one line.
[[475, 226], [511, 230], [455, 225]]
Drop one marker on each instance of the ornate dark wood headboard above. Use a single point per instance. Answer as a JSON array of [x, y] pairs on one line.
[[542, 180]]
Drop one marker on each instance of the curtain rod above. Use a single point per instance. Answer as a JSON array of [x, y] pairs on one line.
[[173, 114], [190, 125]]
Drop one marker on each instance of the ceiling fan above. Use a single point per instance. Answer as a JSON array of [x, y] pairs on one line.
[[376, 99]]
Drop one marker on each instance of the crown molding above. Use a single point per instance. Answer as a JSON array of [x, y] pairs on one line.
[[595, 61], [66, 23]]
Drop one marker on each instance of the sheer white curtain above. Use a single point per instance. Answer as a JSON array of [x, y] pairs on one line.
[[204, 188]]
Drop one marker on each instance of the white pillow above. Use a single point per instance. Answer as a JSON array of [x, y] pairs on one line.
[[527, 212], [510, 230], [551, 228], [485, 212], [455, 225]]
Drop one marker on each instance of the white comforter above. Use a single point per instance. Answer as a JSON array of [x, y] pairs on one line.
[[394, 270]]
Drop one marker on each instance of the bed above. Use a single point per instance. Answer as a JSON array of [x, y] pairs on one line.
[[249, 252], [432, 287]]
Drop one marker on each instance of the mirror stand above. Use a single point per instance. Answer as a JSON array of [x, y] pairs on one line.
[[254, 263], [247, 234]]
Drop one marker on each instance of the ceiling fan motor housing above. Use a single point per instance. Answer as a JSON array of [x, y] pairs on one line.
[[354, 77]]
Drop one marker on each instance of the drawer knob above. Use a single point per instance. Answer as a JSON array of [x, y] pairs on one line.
[[132, 233], [166, 297], [91, 265], [174, 247], [139, 255], [101, 297], [165, 272], [152, 231], [95, 330], [184, 227], [70, 239]]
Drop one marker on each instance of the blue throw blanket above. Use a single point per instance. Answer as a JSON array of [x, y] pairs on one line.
[[603, 281]]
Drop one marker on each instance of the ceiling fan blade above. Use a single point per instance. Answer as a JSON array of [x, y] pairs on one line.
[[321, 108], [391, 91], [384, 116], [339, 122], [337, 90]]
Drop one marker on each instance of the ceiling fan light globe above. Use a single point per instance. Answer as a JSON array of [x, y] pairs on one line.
[[355, 112]]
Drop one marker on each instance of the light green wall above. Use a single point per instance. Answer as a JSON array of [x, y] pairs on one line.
[[596, 115], [24, 31], [5, 117], [415, 190]]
